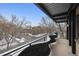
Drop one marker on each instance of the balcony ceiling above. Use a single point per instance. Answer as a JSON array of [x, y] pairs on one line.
[[55, 10]]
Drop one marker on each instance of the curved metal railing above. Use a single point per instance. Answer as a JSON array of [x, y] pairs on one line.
[[22, 47]]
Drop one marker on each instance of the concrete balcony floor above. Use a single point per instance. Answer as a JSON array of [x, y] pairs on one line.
[[77, 48], [61, 48]]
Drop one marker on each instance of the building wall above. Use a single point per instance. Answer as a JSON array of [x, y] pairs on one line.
[[77, 23]]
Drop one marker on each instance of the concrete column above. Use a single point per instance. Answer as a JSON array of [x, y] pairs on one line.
[[69, 30], [73, 31]]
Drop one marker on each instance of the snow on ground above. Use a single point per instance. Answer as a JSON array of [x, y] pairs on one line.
[[38, 35], [20, 40], [44, 40]]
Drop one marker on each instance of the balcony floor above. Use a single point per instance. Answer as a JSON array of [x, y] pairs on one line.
[[77, 48], [61, 48]]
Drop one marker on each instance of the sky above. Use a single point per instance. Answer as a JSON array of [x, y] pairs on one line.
[[28, 10]]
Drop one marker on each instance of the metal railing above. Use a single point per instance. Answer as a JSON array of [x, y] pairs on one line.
[[20, 48]]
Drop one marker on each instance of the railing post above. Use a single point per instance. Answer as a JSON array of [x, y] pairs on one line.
[[45, 38], [30, 44]]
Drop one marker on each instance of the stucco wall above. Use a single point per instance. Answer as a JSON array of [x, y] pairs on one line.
[[77, 23]]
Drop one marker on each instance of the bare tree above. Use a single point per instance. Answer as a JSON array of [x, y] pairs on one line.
[[52, 26], [62, 29], [47, 22], [10, 30]]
